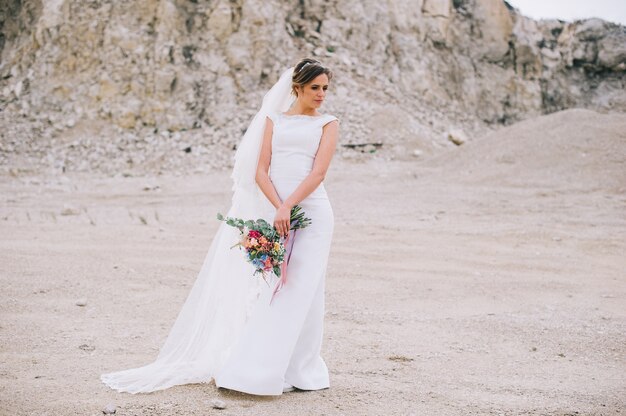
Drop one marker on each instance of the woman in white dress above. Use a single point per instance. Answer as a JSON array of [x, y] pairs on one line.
[[228, 330]]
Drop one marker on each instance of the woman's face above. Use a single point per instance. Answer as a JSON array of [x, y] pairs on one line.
[[314, 93]]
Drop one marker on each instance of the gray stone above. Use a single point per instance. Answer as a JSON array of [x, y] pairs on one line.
[[612, 52], [109, 409], [70, 210], [457, 136], [87, 347], [218, 404]]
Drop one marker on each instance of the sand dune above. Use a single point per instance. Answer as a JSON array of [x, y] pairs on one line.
[[574, 149]]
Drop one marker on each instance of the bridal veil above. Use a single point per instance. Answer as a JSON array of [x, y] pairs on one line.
[[225, 290]]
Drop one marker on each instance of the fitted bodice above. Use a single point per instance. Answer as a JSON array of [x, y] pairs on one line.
[[295, 141]]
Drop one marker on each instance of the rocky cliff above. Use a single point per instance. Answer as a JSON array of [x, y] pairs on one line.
[[171, 84]]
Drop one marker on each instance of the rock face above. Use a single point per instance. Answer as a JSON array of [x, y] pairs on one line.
[[157, 84]]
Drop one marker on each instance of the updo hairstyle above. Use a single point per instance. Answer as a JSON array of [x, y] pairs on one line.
[[305, 71]]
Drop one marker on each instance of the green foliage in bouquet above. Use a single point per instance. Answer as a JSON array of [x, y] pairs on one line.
[[261, 240], [297, 220]]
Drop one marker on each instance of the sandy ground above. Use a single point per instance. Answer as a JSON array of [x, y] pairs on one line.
[[488, 280]]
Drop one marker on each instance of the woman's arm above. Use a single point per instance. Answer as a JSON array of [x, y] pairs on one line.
[[262, 177]]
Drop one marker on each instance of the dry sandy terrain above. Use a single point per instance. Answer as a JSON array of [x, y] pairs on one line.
[[488, 280]]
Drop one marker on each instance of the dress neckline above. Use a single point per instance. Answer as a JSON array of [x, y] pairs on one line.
[[301, 115]]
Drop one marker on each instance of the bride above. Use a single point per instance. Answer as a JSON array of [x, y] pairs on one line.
[[228, 330]]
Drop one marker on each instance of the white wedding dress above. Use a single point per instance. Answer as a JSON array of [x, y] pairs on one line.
[[265, 345], [282, 341]]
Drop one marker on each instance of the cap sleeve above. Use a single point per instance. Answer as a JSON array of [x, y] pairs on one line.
[[273, 115], [328, 118]]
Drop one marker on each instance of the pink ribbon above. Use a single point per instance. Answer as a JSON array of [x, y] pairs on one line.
[[283, 267]]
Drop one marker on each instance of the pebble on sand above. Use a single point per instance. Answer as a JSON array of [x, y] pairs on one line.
[[86, 347], [70, 210], [218, 404], [457, 136], [109, 409]]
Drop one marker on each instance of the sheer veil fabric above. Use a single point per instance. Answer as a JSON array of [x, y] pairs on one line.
[[224, 293]]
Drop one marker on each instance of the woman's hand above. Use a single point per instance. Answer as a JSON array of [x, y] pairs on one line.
[[282, 220]]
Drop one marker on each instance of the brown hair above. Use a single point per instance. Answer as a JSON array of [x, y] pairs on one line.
[[305, 71]]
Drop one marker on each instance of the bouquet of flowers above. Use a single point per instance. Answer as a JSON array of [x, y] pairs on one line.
[[262, 243]]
